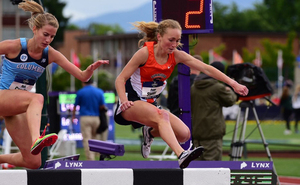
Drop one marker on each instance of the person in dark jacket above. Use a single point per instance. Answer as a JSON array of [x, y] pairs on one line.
[[208, 97], [286, 106], [172, 100]]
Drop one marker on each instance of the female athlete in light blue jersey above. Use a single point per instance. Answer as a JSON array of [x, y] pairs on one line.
[[24, 61]]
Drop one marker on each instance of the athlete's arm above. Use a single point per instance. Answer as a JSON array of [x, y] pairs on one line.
[[139, 58], [10, 48], [183, 57], [62, 61]]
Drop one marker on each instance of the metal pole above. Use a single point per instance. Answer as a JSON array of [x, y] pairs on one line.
[[95, 58], [17, 18], [41, 88], [184, 97]]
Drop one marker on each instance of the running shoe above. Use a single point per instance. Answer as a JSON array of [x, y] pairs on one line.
[[6, 166], [43, 141], [146, 145], [187, 156]]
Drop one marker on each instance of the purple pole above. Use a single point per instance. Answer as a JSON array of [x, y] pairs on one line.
[[184, 96]]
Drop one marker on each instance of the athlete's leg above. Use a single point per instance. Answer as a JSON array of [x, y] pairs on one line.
[[14, 102], [180, 129], [23, 128], [19, 131], [148, 114]]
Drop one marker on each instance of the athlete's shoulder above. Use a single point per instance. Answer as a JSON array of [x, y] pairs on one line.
[[54, 55], [180, 56], [142, 54], [10, 46]]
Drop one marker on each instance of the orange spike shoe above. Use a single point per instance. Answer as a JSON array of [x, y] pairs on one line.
[[43, 141]]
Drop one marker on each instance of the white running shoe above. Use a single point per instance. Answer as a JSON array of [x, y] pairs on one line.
[[187, 156], [146, 145], [287, 132]]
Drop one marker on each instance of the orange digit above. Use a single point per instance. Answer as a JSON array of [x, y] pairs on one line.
[[187, 14]]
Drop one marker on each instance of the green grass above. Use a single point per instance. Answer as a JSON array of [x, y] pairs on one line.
[[272, 130]]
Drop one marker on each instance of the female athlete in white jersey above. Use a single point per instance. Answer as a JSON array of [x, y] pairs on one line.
[[23, 62]]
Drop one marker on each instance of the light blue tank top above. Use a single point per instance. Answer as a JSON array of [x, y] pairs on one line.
[[23, 71]]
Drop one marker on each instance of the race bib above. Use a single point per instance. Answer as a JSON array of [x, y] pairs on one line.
[[22, 84], [152, 89]]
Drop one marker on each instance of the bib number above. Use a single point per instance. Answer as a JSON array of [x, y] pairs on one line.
[[22, 84], [152, 89]]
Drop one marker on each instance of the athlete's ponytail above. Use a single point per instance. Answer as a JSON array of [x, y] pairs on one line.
[[150, 29], [39, 17]]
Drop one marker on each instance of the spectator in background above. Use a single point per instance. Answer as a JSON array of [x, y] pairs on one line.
[[296, 107], [91, 100], [286, 108], [208, 97], [172, 100]]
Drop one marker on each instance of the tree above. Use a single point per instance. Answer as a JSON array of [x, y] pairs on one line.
[[72, 27], [62, 78], [103, 29], [269, 16], [283, 14]]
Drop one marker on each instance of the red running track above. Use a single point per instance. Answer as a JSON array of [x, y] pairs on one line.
[[289, 180]]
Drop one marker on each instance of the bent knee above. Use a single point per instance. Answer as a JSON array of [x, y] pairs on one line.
[[184, 135], [163, 114], [39, 98]]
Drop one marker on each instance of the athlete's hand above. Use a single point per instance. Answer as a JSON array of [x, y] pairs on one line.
[[240, 89], [126, 105], [97, 64]]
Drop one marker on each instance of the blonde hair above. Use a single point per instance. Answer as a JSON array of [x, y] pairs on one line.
[[39, 17], [150, 29]]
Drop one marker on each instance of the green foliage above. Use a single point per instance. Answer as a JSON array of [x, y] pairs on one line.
[[248, 56], [62, 79], [104, 29], [219, 50], [269, 16], [105, 80], [270, 55], [283, 15], [72, 27], [229, 18]]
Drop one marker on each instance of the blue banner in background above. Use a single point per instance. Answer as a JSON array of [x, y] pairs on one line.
[[66, 105]]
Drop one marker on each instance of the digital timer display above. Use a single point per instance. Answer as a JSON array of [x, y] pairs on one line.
[[194, 16]]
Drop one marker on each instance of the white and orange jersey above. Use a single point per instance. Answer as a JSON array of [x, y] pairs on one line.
[[149, 80]]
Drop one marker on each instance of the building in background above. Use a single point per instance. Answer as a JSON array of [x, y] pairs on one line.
[[119, 48], [13, 22]]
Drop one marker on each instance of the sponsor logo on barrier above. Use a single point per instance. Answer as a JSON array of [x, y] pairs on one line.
[[57, 165], [260, 165], [73, 164], [243, 165], [255, 165]]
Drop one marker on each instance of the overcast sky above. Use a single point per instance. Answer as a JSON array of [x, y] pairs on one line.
[[81, 9]]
